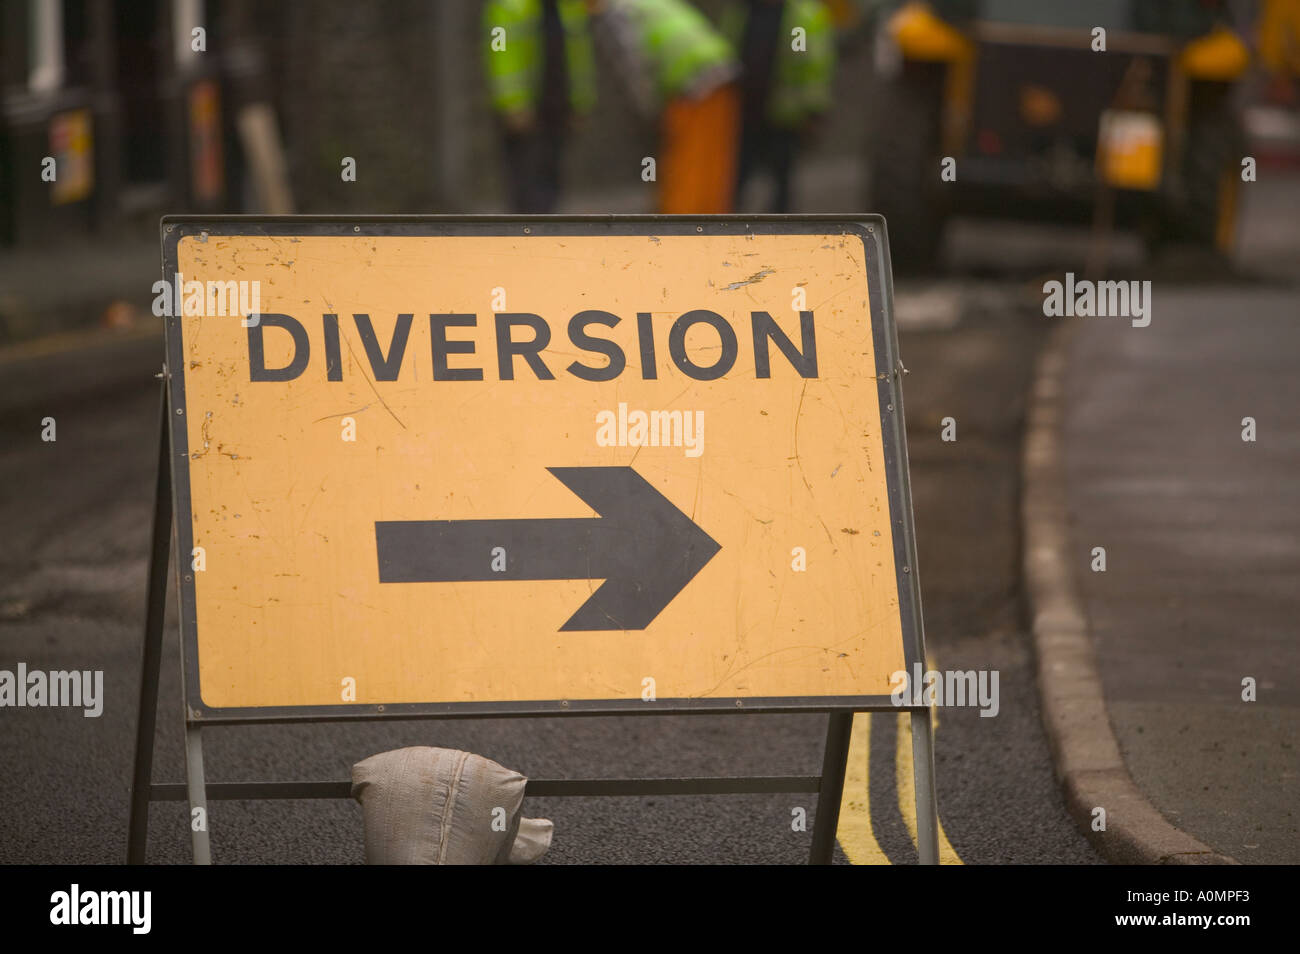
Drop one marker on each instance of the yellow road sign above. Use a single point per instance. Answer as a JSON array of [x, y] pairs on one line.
[[543, 465]]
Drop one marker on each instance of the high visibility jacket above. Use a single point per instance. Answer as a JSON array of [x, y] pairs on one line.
[[665, 48], [805, 61], [515, 51]]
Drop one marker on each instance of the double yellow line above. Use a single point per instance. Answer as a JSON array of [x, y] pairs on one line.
[[855, 833]]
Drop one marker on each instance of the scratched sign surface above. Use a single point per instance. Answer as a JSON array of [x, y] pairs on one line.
[[439, 467]]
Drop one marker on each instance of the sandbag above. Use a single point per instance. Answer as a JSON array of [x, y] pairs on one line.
[[431, 806]]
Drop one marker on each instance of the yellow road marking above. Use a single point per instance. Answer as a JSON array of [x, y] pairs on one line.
[[854, 832], [907, 792]]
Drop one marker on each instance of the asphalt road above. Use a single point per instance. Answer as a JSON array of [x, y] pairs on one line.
[[75, 514]]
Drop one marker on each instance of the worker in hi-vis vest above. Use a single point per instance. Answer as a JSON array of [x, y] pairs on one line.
[[679, 69], [787, 52], [540, 70]]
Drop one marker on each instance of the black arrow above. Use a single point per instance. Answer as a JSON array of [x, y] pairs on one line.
[[643, 547]]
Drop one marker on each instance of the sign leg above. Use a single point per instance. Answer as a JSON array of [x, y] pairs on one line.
[[198, 792], [927, 809], [839, 725], [151, 656]]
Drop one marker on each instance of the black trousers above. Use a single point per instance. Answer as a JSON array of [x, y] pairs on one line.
[[532, 163], [771, 148]]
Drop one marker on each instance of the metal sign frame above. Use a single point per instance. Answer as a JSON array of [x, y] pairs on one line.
[[173, 498]]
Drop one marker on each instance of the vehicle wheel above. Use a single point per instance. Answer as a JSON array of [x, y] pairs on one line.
[[903, 177]]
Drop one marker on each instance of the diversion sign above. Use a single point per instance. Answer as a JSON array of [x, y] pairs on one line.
[[448, 465]]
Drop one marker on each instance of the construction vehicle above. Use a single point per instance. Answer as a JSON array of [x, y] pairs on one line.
[[1056, 110]]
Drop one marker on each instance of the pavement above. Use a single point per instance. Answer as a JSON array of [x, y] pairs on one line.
[[1142, 667], [76, 321], [46, 291], [1201, 530]]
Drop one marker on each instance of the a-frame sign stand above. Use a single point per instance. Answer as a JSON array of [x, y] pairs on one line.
[[828, 785]]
